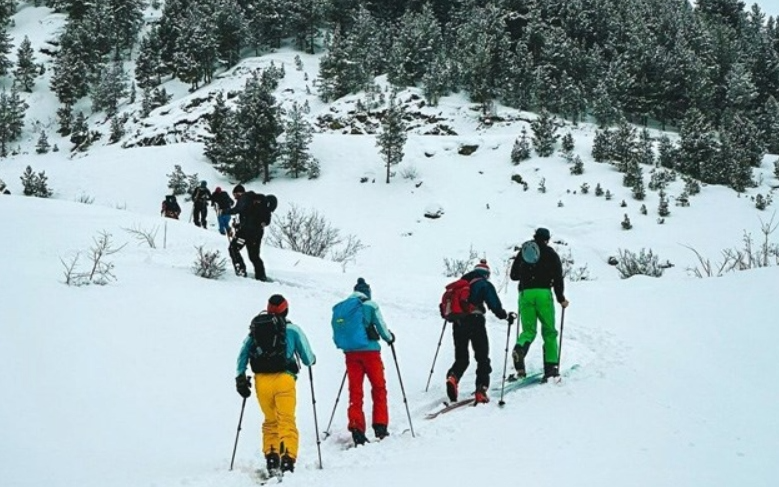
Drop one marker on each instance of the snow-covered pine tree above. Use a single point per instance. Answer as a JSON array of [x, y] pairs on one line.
[[295, 156], [177, 181], [35, 184], [768, 124], [117, 129], [339, 73], [43, 146], [437, 80], [577, 165], [392, 138], [662, 207], [80, 130], [521, 150], [148, 66], [698, 143], [602, 145], [258, 126], [12, 110], [111, 87], [667, 153], [26, 70], [215, 145], [415, 47], [624, 145], [230, 28], [545, 136]]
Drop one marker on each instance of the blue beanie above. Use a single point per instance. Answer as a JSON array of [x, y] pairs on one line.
[[363, 287]]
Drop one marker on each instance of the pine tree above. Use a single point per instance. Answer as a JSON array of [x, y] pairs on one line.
[[303, 18], [698, 144], [26, 70], [117, 129], [148, 66], [35, 184], [6, 45], [662, 208], [177, 181], [339, 73], [416, 46], [294, 150], [393, 135], [80, 131], [437, 80], [43, 146], [65, 119], [125, 19], [217, 123], [768, 124], [521, 150], [544, 129], [667, 154], [110, 89], [577, 167], [12, 110], [230, 30], [602, 145]]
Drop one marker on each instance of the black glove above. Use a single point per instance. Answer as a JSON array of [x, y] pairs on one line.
[[512, 318], [243, 385], [501, 314]]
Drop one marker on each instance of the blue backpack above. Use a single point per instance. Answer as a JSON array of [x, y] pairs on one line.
[[349, 331]]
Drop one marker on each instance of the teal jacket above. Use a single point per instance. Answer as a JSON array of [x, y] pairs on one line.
[[297, 348], [371, 316]]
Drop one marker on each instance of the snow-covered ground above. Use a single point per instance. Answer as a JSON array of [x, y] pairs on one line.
[[132, 383]]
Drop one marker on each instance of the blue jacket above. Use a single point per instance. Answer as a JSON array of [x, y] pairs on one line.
[[484, 293], [297, 347], [371, 316]]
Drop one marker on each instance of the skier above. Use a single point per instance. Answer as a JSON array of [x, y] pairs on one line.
[[274, 385], [357, 327], [254, 216], [170, 207], [222, 203], [536, 304], [472, 329], [200, 197]]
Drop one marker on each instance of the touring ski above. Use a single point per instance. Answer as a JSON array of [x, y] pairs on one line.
[[451, 407]]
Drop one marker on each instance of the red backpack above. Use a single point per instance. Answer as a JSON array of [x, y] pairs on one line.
[[454, 302]]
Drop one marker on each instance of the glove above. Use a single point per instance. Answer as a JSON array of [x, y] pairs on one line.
[[512, 318], [564, 303], [501, 314], [243, 385]]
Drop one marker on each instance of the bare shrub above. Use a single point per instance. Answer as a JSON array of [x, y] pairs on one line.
[[457, 267], [409, 172], [209, 264], [644, 263], [570, 271], [749, 256], [308, 232], [85, 199], [143, 235], [100, 271]]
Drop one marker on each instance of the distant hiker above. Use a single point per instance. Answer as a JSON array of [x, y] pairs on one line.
[[170, 207], [537, 267], [254, 215], [222, 203], [357, 327], [470, 328], [273, 348], [200, 197]]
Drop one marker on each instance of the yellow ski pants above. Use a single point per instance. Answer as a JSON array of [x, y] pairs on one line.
[[277, 396]]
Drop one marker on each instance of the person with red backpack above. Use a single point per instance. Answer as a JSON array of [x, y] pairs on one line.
[[272, 349], [469, 327], [357, 327]]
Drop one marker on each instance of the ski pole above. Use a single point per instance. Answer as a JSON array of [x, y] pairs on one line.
[[238, 432], [512, 317], [337, 398], [443, 328], [560, 348], [402, 389], [316, 423]]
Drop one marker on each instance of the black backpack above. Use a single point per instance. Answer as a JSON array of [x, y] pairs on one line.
[[171, 204], [261, 208], [269, 333]]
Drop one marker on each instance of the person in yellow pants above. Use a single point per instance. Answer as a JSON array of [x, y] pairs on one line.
[[273, 348]]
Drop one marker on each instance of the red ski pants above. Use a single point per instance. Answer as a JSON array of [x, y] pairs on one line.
[[358, 365]]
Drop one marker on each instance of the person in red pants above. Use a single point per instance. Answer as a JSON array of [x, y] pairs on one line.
[[357, 328]]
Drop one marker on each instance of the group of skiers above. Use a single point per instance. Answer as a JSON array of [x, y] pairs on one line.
[[358, 328], [254, 214]]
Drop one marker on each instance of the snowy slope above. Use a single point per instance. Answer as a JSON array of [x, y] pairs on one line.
[[132, 383]]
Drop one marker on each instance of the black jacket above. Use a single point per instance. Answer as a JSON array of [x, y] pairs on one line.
[[252, 213], [546, 273], [222, 201]]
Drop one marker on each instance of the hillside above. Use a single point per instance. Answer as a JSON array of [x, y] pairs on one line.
[[132, 384]]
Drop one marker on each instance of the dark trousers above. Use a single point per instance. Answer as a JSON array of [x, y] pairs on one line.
[[471, 330], [252, 243], [199, 212]]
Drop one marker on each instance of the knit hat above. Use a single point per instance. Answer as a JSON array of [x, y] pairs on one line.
[[239, 188], [277, 305], [203, 184], [483, 267], [217, 190], [542, 234], [363, 287]]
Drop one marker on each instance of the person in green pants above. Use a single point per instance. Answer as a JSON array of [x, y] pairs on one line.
[[538, 270]]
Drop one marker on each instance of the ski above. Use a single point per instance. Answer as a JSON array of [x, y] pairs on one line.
[[264, 476], [451, 407], [513, 383]]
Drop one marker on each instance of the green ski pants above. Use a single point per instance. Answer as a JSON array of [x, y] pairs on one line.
[[538, 305]]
